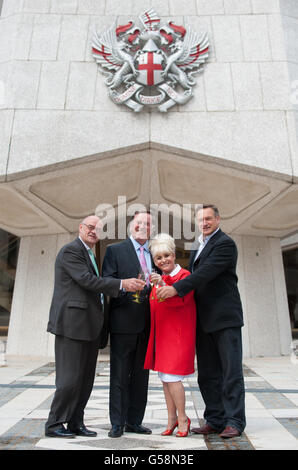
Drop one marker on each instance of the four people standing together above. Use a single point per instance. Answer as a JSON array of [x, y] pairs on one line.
[[191, 311]]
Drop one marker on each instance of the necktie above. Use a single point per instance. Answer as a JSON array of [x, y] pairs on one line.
[[144, 264], [93, 261], [97, 272]]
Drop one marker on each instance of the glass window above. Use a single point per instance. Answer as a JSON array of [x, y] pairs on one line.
[[9, 248]]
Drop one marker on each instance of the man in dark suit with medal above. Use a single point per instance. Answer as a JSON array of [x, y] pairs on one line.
[[129, 323], [76, 320], [219, 322]]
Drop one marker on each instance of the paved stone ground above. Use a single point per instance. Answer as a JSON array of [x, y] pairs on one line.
[[26, 393]]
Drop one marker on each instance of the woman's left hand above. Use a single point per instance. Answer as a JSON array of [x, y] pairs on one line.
[[155, 278]]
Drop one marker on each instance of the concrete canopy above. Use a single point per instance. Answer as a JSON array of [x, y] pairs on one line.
[[53, 199]]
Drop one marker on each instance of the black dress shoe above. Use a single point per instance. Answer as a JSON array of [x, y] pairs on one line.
[[116, 431], [83, 431], [137, 428], [60, 432]]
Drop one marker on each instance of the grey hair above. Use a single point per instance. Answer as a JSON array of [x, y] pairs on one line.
[[162, 243], [207, 206]]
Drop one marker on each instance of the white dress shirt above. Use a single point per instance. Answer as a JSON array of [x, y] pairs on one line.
[[203, 242], [87, 248], [137, 247]]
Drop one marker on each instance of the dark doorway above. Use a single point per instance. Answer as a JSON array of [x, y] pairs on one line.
[[290, 260], [9, 248]]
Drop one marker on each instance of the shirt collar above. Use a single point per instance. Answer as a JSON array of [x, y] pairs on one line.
[[86, 246], [202, 241], [175, 270], [137, 245]]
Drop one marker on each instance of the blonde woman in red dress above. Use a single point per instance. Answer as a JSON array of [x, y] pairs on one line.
[[171, 346]]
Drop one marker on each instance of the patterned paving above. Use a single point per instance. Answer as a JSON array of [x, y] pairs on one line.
[[272, 415]]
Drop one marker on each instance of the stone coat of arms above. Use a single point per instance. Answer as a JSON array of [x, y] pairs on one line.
[[151, 66]]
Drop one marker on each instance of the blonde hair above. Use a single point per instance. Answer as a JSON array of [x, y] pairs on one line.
[[162, 243]]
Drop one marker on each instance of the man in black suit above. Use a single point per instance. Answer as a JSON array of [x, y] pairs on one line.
[[129, 324], [76, 320], [219, 322]]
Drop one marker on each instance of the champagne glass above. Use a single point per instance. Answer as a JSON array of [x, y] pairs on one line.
[[136, 295], [162, 283], [158, 284], [153, 271]]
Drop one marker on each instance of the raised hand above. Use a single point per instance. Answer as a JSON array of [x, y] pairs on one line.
[[155, 278]]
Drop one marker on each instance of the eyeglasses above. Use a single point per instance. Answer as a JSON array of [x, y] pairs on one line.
[[90, 227]]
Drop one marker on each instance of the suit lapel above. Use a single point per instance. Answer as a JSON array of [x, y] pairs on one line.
[[193, 252], [86, 255], [206, 250], [133, 257]]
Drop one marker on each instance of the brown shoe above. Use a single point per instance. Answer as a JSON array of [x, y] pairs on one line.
[[206, 429], [229, 432]]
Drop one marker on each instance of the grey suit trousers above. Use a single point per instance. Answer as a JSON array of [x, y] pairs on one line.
[[75, 371]]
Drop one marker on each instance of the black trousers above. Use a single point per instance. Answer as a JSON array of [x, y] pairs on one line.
[[220, 377], [128, 378], [75, 372]]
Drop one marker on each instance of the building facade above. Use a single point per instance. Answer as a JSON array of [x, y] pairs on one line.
[[66, 148]]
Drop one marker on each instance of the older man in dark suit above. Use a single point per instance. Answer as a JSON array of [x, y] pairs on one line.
[[129, 330], [76, 320], [219, 322]]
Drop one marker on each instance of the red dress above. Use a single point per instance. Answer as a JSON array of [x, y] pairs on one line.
[[171, 346]]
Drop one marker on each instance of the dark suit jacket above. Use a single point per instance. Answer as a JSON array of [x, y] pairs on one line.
[[76, 308], [125, 316], [214, 280]]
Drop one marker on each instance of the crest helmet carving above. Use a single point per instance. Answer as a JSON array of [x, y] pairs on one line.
[[152, 64]]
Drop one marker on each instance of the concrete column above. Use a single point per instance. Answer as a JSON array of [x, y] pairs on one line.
[[33, 290], [267, 330]]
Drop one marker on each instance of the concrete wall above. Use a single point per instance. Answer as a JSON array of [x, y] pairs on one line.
[[263, 291], [32, 296], [55, 97], [289, 22]]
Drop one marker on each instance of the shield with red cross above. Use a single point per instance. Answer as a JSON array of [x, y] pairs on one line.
[[150, 68]]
